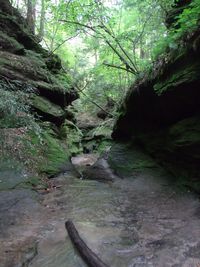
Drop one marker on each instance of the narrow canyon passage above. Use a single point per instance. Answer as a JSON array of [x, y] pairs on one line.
[[89, 90]]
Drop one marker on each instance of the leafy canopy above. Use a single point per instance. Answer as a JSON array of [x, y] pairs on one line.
[[105, 44]]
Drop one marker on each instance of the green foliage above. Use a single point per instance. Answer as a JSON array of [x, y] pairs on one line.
[[127, 24], [105, 46], [71, 135], [15, 121], [14, 108], [120, 34], [104, 130], [187, 22], [65, 80], [189, 19], [122, 25]]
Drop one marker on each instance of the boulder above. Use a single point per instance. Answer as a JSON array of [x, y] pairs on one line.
[[47, 110]]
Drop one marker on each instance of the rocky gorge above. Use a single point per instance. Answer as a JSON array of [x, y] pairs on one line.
[[134, 199]]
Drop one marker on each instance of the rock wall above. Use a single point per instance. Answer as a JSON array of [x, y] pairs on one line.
[[162, 112], [165, 96], [28, 69], [24, 64]]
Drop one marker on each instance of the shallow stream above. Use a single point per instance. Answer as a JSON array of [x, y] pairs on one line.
[[141, 219]]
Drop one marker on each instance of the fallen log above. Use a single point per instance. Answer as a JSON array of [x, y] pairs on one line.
[[85, 252]]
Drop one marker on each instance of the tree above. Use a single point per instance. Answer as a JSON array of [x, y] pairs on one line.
[[31, 15], [40, 34], [115, 42]]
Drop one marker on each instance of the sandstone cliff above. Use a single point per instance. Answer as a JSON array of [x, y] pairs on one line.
[[162, 111]]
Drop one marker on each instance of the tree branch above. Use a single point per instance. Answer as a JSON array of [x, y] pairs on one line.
[[64, 42], [94, 29], [117, 67], [79, 24], [103, 26], [94, 103], [121, 57]]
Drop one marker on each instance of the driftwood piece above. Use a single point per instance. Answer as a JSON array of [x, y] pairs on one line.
[[86, 253]]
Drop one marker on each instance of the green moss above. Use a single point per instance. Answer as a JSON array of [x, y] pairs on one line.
[[104, 146], [3, 61], [47, 107], [104, 130], [18, 28], [55, 155], [49, 153], [185, 75], [186, 132], [31, 67], [65, 80], [42, 85], [10, 43], [177, 148], [53, 63], [72, 136], [125, 160], [36, 58], [34, 181]]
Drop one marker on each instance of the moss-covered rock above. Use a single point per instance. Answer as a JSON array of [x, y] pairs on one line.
[[72, 137], [98, 139], [47, 110], [28, 69], [163, 97], [53, 63], [127, 159], [186, 136], [179, 77], [22, 59], [56, 157], [103, 131], [50, 153], [161, 112], [10, 44], [178, 149]]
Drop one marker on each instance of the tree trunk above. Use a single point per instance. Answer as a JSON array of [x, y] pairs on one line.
[[42, 21], [31, 15]]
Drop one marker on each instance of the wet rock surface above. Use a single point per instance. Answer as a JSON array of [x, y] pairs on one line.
[[20, 221], [143, 219]]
